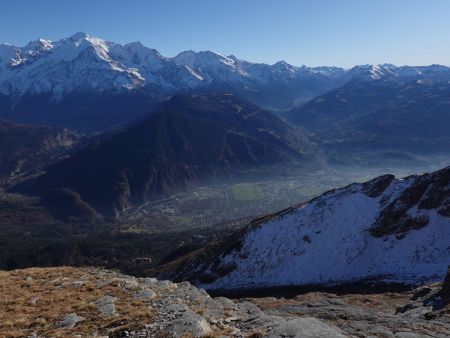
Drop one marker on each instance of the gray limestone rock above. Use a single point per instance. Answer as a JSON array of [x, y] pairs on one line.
[[106, 306], [145, 294], [70, 320], [190, 323], [304, 327]]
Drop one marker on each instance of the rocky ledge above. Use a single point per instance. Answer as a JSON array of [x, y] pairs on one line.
[[91, 302]]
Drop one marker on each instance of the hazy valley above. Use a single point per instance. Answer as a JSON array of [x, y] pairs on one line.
[[322, 192]]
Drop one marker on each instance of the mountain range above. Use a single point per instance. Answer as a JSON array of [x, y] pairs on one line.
[[200, 116], [380, 114], [115, 156], [90, 84]]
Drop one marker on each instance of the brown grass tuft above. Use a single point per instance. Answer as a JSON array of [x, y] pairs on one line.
[[255, 334], [58, 295]]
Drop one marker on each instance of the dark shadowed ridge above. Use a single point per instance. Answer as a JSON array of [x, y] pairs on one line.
[[192, 139], [26, 147]]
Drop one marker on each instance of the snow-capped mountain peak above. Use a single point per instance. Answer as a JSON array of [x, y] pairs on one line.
[[210, 65], [373, 72], [80, 62], [39, 44], [83, 62], [78, 36], [194, 59], [284, 66]]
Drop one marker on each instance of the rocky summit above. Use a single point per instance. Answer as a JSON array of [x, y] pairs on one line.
[[92, 302]]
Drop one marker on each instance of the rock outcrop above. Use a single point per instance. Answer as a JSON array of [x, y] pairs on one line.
[[90, 302], [95, 302], [445, 289]]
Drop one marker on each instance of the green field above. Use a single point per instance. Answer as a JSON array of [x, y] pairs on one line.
[[308, 192], [247, 192], [181, 220], [135, 229]]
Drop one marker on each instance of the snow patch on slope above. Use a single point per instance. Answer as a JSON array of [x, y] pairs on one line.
[[328, 241]]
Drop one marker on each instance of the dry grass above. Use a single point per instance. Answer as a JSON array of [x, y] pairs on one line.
[[213, 335], [200, 311], [383, 300], [56, 296], [255, 334], [228, 313]]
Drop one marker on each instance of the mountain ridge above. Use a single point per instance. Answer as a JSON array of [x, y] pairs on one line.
[[191, 139], [26, 148], [48, 74], [384, 230]]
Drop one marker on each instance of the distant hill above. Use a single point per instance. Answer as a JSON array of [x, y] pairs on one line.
[[193, 139], [381, 114]]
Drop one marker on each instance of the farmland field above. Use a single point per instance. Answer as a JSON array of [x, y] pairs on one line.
[[181, 220], [235, 203], [247, 192]]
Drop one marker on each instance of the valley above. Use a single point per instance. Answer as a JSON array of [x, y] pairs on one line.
[[203, 195], [229, 205], [167, 228]]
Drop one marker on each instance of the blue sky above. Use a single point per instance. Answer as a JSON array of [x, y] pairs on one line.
[[314, 32]]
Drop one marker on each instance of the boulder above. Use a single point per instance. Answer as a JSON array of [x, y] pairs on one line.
[[106, 306], [304, 327], [190, 324], [70, 320], [145, 294]]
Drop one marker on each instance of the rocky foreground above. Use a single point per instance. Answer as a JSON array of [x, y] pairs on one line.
[[89, 302]]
